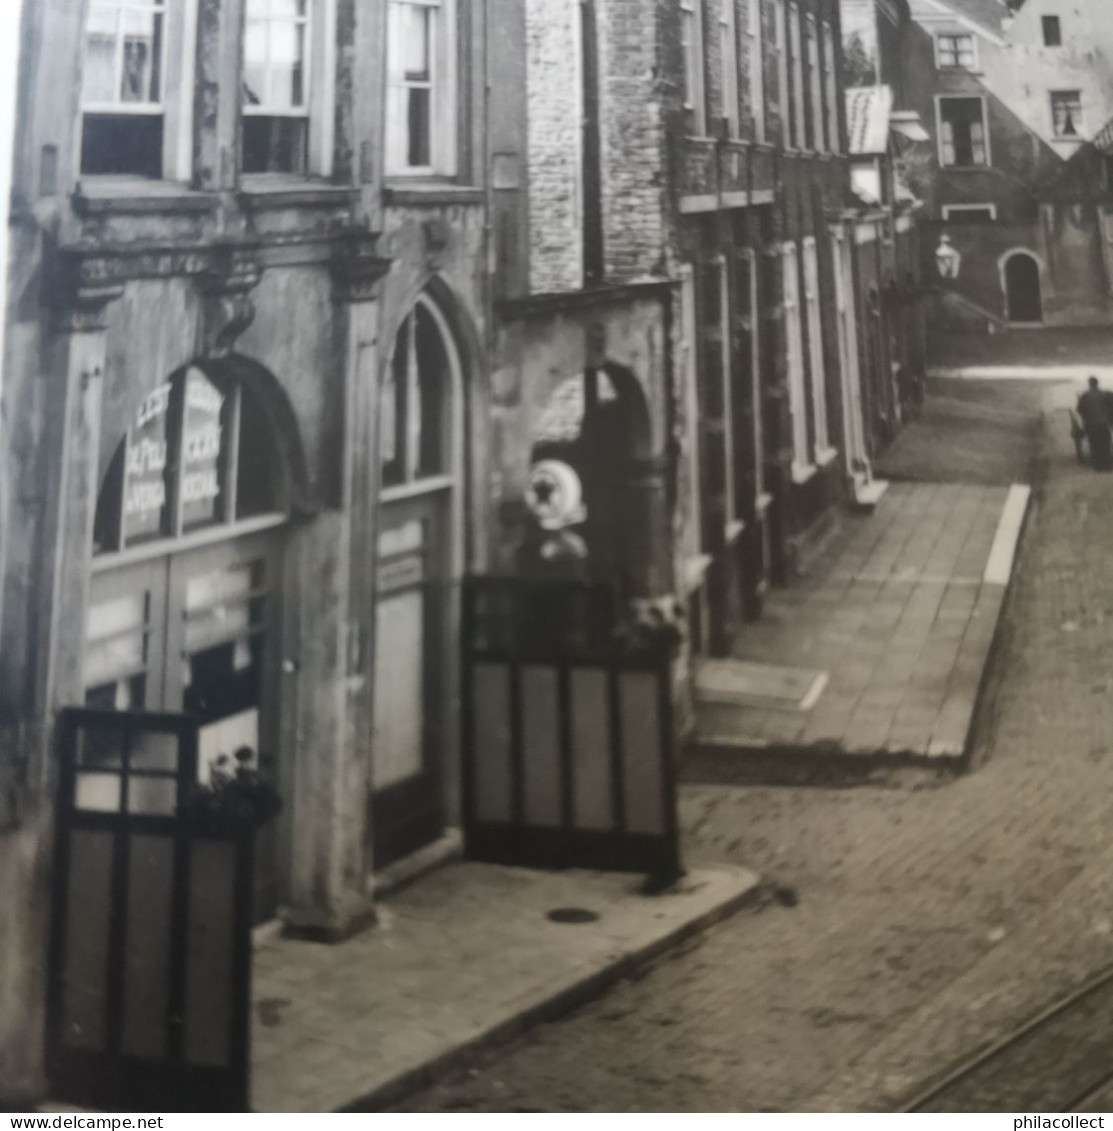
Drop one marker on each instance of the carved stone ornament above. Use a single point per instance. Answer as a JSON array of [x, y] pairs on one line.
[[83, 310], [226, 288], [359, 267]]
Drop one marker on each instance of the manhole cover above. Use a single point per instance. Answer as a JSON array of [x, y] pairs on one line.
[[572, 915]]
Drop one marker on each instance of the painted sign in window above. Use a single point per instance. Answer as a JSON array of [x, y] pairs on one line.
[[201, 451], [178, 469], [145, 468]]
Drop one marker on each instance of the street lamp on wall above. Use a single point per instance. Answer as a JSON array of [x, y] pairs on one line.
[[948, 258]]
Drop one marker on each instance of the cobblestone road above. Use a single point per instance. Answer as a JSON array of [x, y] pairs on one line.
[[911, 923]]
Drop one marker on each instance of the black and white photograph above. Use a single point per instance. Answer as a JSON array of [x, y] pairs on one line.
[[556, 556]]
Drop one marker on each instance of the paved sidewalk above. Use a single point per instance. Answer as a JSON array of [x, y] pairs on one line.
[[462, 957], [901, 615]]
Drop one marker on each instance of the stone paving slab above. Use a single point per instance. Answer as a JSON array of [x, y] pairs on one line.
[[461, 958], [901, 616]]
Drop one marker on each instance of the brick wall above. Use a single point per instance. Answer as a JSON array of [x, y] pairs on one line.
[[635, 162], [554, 107]]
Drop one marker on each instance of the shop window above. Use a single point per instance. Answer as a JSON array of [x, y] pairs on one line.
[[123, 88], [963, 136], [1066, 113], [414, 415], [956, 51], [1052, 32], [691, 39], [179, 468], [421, 91]]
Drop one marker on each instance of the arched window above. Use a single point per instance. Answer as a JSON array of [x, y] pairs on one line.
[[198, 453], [415, 406]]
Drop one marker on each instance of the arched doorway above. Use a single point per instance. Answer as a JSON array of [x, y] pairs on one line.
[[597, 422], [419, 561], [1023, 298], [184, 595]]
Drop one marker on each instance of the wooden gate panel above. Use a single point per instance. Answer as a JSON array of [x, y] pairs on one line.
[[568, 751], [149, 971]]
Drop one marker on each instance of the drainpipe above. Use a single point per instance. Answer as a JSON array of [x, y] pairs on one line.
[[9, 73]]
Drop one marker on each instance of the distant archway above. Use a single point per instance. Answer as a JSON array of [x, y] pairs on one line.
[[1020, 281]]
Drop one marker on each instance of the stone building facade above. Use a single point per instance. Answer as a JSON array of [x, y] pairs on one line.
[[245, 422]]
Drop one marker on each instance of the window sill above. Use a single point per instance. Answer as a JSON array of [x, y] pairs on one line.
[[128, 196], [431, 192], [802, 472], [261, 191]]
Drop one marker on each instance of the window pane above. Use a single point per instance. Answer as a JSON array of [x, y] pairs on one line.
[[142, 50], [255, 63], [434, 387], [274, 144], [100, 55], [287, 61], [416, 45], [392, 422], [420, 126]]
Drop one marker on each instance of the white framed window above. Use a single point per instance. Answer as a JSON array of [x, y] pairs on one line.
[[956, 51], [815, 83], [421, 102], [693, 540], [780, 28], [747, 307], [831, 81], [691, 40], [137, 88], [287, 87], [794, 359], [963, 131], [728, 57], [797, 133], [823, 450], [1066, 114], [756, 55], [969, 213], [730, 491], [853, 429]]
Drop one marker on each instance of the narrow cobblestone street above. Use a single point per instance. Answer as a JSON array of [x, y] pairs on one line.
[[902, 927]]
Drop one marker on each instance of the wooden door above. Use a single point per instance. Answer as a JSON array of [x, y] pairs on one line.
[[413, 676]]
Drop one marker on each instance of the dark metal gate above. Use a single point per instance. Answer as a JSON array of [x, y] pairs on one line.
[[150, 948], [568, 750]]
